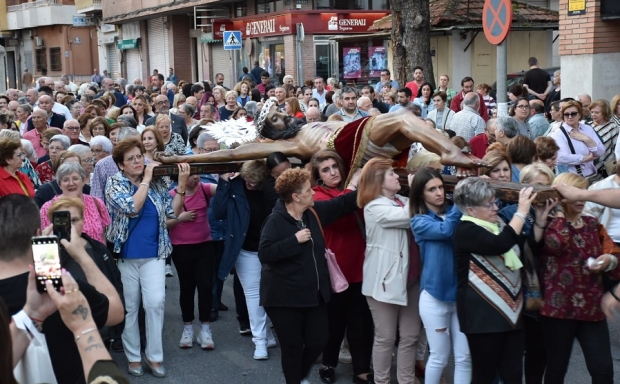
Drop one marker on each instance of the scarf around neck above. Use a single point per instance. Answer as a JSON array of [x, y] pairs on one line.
[[511, 260]]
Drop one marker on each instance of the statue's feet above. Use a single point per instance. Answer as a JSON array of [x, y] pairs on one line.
[[463, 160], [166, 158]]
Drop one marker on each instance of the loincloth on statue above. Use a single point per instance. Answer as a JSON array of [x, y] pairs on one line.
[[352, 142]]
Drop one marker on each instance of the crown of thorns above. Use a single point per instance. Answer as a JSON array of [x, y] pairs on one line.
[[263, 114]]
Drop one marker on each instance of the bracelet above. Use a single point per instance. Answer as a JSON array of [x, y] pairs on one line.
[[613, 294], [180, 193], [83, 333], [540, 226], [144, 184], [520, 216]]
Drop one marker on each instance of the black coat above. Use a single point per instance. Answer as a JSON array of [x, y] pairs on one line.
[[58, 121], [178, 125], [293, 274]]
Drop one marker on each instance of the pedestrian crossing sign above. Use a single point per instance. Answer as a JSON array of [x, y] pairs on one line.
[[232, 40]]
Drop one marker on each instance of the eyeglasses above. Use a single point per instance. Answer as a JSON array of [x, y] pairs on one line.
[[88, 160], [134, 159], [494, 203], [571, 114], [21, 155], [97, 151], [55, 148], [523, 106], [162, 103], [73, 128]]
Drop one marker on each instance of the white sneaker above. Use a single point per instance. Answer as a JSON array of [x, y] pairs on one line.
[[345, 356], [205, 339], [169, 271], [187, 339], [272, 343], [305, 381], [260, 353]]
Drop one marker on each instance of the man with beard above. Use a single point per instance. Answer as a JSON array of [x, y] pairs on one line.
[[404, 99], [389, 135]]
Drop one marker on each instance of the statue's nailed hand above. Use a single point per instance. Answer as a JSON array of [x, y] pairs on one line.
[[165, 158]]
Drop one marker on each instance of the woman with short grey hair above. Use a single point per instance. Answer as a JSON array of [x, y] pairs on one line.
[[489, 294], [86, 157], [31, 158], [251, 107], [101, 147], [71, 180], [45, 170]]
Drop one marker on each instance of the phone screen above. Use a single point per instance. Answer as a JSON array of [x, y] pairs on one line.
[[46, 261], [62, 224]]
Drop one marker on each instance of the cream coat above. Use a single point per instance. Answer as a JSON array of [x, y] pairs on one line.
[[448, 114], [386, 262]]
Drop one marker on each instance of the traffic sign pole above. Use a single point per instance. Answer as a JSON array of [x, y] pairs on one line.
[[502, 70]]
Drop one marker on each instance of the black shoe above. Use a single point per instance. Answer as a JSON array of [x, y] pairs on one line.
[[327, 374], [245, 330], [117, 345], [214, 316], [370, 379], [222, 307]]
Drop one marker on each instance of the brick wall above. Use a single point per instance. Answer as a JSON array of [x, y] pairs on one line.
[[587, 34], [179, 54]]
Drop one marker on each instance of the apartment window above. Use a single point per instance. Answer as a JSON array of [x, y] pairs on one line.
[[353, 4], [268, 6], [41, 59], [241, 9], [55, 59]]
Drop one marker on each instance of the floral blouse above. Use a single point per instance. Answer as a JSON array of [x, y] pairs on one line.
[[119, 193], [96, 217], [45, 172], [571, 289], [176, 145]]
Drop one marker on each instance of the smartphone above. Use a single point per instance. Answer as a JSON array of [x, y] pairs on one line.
[[46, 256], [62, 224]]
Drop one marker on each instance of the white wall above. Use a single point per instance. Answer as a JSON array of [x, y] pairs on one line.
[[461, 61], [595, 75]]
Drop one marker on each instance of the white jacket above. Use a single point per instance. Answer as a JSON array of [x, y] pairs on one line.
[[448, 114], [386, 262], [602, 213]]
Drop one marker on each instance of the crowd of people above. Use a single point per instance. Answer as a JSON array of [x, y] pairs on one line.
[[504, 286]]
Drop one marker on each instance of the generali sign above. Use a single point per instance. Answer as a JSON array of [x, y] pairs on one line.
[[286, 24]]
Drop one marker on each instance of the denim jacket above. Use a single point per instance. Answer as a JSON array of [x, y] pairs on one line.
[[218, 226], [119, 193]]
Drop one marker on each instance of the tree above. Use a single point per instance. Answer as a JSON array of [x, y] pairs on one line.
[[411, 35]]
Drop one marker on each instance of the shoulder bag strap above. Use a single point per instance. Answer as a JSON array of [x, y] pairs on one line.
[[319, 221], [572, 149]]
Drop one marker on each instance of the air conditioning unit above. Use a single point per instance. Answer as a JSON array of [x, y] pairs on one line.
[[39, 41]]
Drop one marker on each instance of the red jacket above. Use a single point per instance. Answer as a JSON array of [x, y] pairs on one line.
[[10, 184], [455, 105], [479, 145], [344, 238]]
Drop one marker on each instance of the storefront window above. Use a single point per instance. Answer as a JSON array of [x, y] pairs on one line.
[[353, 4], [268, 6], [271, 59], [362, 62], [241, 9], [322, 56]]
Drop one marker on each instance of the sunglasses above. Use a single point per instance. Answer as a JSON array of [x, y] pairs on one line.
[[571, 114]]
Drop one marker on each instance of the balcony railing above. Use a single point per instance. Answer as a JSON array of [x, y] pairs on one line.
[[33, 4], [83, 6]]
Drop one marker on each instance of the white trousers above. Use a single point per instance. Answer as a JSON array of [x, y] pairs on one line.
[[248, 269], [146, 278], [442, 329]]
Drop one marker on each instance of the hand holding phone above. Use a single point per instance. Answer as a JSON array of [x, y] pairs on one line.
[[62, 224], [46, 255]]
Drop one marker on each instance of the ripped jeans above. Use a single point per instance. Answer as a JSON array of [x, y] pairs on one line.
[[442, 328]]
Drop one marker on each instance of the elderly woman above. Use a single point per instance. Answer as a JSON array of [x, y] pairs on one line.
[[87, 159], [243, 202], [219, 99], [140, 205], [21, 117], [522, 151], [99, 127], [607, 130], [441, 115], [577, 253], [433, 224], [489, 296], [390, 271], [71, 179], [579, 144], [31, 158], [347, 311], [251, 108], [173, 142], [12, 157], [295, 284], [74, 107], [101, 147], [48, 190], [187, 111], [193, 258], [57, 144], [231, 104]]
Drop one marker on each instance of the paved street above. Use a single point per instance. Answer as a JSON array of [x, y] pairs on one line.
[[231, 362]]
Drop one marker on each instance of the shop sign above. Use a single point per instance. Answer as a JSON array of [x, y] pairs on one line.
[[128, 44], [84, 21], [286, 24]]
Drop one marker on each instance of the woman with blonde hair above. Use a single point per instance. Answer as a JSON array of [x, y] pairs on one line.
[[231, 104], [142, 108], [219, 99], [243, 92], [500, 168], [577, 253], [172, 141], [390, 272], [152, 142], [179, 99]]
